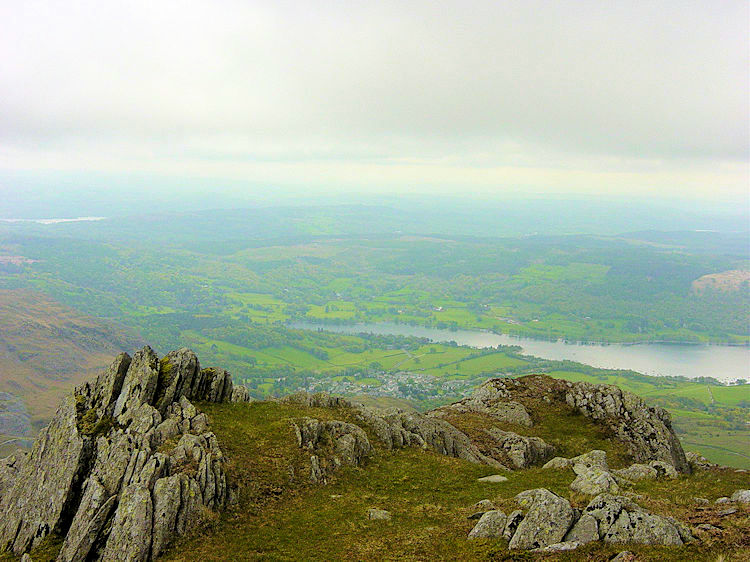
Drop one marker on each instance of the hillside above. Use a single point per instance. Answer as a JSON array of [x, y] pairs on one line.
[[130, 469], [46, 349]]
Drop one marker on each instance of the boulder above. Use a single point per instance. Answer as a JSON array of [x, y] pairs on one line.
[[489, 526], [741, 496], [378, 514], [493, 479], [616, 519], [594, 481], [240, 394], [636, 472], [559, 463], [592, 459], [663, 469], [546, 522]]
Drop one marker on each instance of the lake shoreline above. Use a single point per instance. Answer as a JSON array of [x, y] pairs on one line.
[[529, 336], [690, 360]]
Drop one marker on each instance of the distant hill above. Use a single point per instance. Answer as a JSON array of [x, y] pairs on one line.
[[46, 349]]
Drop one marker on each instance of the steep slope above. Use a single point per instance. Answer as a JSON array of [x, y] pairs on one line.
[[45, 350]]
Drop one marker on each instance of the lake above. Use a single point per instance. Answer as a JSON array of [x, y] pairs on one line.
[[725, 363]]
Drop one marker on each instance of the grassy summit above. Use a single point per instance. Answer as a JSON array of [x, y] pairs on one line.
[[429, 496]]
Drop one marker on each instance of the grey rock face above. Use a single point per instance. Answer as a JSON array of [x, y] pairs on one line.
[[647, 430], [139, 385], [179, 373], [490, 525], [546, 522], [121, 469], [521, 452], [742, 496], [47, 483]]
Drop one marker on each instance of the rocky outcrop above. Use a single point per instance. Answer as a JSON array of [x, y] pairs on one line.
[[617, 519], [517, 450], [492, 399], [551, 524], [334, 443], [396, 429], [647, 430], [126, 464]]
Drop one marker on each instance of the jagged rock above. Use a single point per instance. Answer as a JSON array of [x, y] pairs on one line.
[[493, 478], [699, 460], [728, 511], [559, 547], [26, 557], [490, 525], [620, 520], [636, 472], [624, 556], [101, 394], [721, 500], [179, 373], [701, 501], [646, 429], [490, 399], [522, 452], [397, 429], [546, 522], [240, 394], [512, 523], [115, 475], [381, 514], [594, 481], [742, 496], [348, 442], [559, 463], [663, 469], [139, 385]]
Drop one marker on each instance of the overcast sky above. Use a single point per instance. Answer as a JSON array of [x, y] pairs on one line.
[[644, 98]]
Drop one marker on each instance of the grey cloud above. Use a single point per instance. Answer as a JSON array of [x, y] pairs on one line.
[[664, 80]]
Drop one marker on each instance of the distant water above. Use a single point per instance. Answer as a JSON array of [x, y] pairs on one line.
[[56, 221], [722, 362]]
